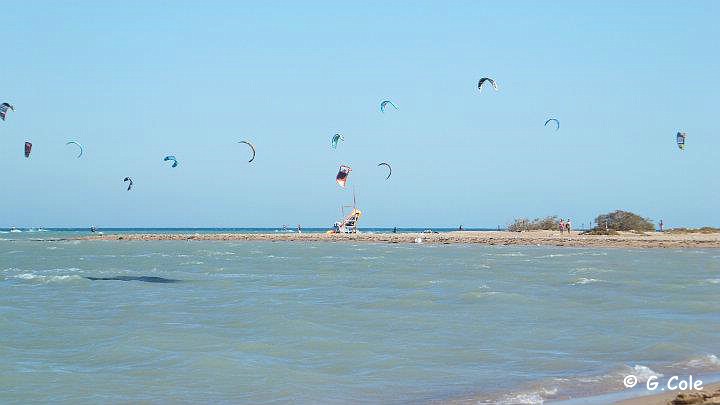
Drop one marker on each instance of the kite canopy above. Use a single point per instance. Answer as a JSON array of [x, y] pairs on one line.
[[680, 138], [171, 158], [28, 149], [389, 169], [79, 147], [489, 80], [335, 139], [252, 148], [557, 123], [384, 104], [128, 179], [4, 107], [342, 176]]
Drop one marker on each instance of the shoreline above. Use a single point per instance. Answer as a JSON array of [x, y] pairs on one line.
[[488, 238], [673, 397]]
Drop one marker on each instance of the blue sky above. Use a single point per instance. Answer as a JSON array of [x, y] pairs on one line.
[[134, 81]]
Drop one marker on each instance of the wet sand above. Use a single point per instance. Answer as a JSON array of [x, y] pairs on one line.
[[502, 238], [676, 398]]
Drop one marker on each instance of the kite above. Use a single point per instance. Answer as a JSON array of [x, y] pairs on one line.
[[129, 185], [389, 168], [342, 175], [171, 159], [557, 123], [680, 138], [252, 147], [335, 139], [487, 79], [28, 149], [385, 103], [78, 145], [4, 107]]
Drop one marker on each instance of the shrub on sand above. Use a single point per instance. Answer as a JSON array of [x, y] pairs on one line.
[[623, 221], [524, 224]]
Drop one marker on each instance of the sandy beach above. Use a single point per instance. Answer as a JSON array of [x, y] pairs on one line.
[[502, 238], [709, 395]]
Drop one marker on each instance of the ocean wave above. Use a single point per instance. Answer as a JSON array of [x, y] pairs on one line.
[[528, 398], [553, 255], [585, 280], [479, 294], [713, 280], [48, 279], [588, 270], [644, 373], [217, 253], [707, 362], [572, 387]]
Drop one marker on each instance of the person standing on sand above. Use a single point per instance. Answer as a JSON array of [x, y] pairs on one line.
[[568, 226], [299, 229], [661, 225], [561, 225]]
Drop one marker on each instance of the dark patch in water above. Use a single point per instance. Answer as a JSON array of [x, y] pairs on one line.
[[146, 279]]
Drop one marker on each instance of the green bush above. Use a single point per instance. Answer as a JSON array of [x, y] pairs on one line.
[[623, 221], [524, 224]]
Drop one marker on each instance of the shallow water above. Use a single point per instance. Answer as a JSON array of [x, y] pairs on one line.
[[261, 322]]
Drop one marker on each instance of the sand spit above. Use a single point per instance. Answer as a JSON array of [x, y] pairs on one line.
[[503, 238]]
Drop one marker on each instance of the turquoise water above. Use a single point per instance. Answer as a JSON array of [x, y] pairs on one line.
[[57, 233], [263, 322]]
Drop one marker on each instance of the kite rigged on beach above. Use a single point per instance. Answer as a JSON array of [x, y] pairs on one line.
[[128, 179], [384, 104], [171, 158], [389, 169], [557, 123], [4, 107], [252, 148], [680, 138], [335, 139], [79, 147], [489, 80], [28, 149], [342, 176]]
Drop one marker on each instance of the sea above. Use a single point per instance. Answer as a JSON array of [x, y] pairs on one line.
[[228, 322]]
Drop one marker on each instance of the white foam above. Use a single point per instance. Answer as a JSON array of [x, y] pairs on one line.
[[529, 398], [644, 373], [708, 361], [48, 279], [713, 280], [585, 280], [480, 294], [587, 270]]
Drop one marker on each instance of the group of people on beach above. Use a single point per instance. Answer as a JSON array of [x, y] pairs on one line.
[[565, 225]]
